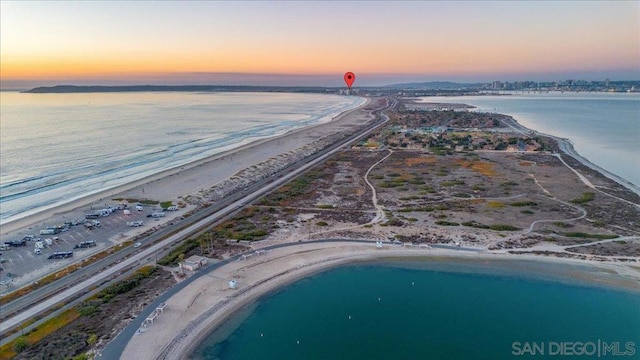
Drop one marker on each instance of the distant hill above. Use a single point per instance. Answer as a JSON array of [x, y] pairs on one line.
[[436, 85], [138, 88]]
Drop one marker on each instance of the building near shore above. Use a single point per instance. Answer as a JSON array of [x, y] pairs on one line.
[[193, 263]]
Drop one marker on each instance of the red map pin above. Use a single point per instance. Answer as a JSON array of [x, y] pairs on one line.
[[349, 78]]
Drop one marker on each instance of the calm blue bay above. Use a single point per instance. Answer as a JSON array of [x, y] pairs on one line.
[[417, 310]]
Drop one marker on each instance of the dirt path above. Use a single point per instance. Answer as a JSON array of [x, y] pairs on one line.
[[380, 215]]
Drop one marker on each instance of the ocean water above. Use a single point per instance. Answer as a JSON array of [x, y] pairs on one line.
[[58, 147], [417, 311], [604, 127]]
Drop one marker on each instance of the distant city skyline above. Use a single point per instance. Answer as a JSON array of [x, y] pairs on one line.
[[314, 43]]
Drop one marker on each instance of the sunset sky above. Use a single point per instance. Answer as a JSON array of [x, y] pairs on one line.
[[314, 43]]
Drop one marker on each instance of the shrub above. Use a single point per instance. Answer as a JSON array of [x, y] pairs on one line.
[[171, 258], [503, 227], [20, 344], [562, 224], [325, 206], [523, 203], [447, 223], [495, 204], [475, 225], [87, 310], [452, 183], [429, 189], [584, 198], [322, 223], [590, 236]]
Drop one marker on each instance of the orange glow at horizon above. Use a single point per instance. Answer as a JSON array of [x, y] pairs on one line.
[[42, 40]]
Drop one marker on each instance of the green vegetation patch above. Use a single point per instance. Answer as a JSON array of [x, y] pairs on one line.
[[447, 223], [389, 184], [412, 197], [173, 258], [475, 225], [584, 198], [523, 203], [416, 181], [590, 236], [22, 343], [325, 206], [126, 285], [562, 224], [166, 204], [294, 188], [452, 183], [496, 227], [503, 227], [495, 204]]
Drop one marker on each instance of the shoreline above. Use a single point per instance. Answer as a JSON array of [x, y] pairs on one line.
[[197, 329], [300, 269], [566, 147], [76, 204], [192, 321]]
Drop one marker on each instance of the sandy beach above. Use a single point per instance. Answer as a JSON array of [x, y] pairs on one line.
[[207, 302], [199, 176], [201, 182]]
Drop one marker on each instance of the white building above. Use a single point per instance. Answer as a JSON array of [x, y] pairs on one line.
[[192, 263]]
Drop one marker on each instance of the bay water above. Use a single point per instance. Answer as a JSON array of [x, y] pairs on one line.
[[432, 310]]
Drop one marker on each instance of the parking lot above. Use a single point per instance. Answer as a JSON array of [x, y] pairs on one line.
[[21, 264]]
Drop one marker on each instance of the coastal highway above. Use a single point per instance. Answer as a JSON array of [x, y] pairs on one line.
[[78, 283]]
